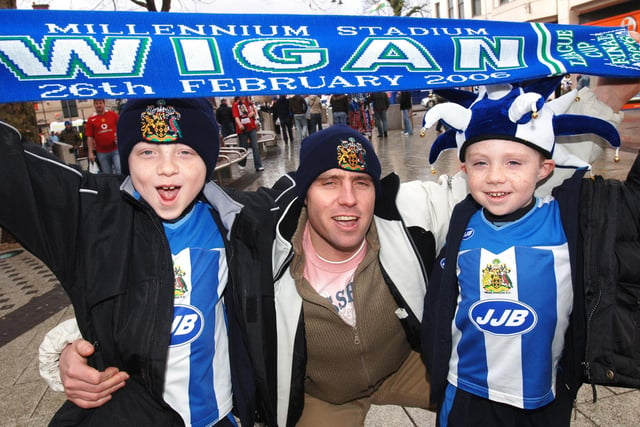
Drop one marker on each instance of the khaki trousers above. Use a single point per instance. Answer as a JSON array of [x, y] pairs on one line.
[[408, 386]]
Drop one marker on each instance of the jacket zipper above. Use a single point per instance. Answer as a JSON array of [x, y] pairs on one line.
[[356, 341], [586, 364], [160, 231], [283, 267]]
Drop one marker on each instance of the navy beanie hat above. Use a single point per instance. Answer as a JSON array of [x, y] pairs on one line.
[[339, 147], [169, 121]]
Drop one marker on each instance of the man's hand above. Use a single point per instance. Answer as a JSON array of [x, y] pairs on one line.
[[615, 92], [84, 385], [91, 145]]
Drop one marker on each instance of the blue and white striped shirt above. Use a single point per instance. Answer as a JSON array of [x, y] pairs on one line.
[[198, 379], [513, 309]]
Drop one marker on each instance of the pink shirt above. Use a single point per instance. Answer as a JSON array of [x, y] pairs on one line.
[[333, 280]]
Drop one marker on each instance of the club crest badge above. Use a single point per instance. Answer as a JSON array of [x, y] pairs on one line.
[[495, 278], [180, 287], [351, 156], [159, 123]]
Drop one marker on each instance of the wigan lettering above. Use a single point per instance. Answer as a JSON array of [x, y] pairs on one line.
[[68, 55]]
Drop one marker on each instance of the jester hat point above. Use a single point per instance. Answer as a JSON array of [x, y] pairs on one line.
[[515, 113]]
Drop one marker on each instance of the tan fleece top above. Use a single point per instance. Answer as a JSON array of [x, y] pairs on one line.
[[315, 104], [343, 362]]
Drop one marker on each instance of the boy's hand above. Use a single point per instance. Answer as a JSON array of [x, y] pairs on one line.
[[84, 385]]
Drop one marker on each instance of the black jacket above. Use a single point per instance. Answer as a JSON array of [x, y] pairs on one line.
[[610, 220], [380, 101], [224, 114], [297, 105], [405, 100]]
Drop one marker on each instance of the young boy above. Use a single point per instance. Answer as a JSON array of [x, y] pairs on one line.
[[145, 260], [504, 323]]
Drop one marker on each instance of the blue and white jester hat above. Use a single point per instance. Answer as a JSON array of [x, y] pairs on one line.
[[521, 114]]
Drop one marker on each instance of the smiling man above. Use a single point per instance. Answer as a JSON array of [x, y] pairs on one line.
[[346, 300]]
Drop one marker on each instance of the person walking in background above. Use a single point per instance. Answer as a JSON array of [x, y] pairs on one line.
[[583, 81], [224, 116], [70, 135], [101, 138], [283, 115], [244, 113], [340, 108], [380, 102], [406, 106], [315, 113], [49, 139], [298, 108], [566, 84]]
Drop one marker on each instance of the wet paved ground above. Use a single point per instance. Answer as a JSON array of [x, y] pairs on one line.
[[32, 302]]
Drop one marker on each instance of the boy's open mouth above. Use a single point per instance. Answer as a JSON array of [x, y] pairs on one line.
[[168, 192]]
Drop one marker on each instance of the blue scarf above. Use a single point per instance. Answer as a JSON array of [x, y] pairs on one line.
[[46, 54]]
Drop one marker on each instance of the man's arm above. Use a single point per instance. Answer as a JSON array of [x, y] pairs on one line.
[[84, 385], [615, 92], [63, 365], [91, 143], [90, 146]]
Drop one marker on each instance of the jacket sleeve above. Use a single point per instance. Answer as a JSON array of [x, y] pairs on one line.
[[49, 351], [633, 179], [428, 204], [610, 226], [441, 302], [588, 104], [583, 147], [40, 201]]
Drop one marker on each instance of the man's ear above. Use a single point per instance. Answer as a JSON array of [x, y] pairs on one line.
[[546, 167], [463, 166]]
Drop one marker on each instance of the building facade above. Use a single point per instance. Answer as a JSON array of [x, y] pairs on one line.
[[51, 115], [574, 12]]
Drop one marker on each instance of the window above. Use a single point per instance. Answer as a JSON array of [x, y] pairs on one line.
[[450, 8], [436, 12], [476, 7], [69, 109], [461, 9]]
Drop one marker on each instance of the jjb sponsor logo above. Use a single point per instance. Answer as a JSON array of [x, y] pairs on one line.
[[468, 233], [188, 323], [503, 317]]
